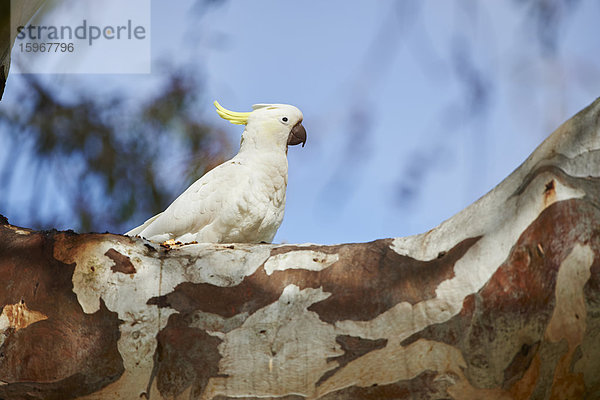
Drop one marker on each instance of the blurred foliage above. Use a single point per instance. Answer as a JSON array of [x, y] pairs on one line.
[[102, 155], [544, 22], [548, 18], [111, 164]]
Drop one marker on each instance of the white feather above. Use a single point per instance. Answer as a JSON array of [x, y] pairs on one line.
[[241, 200]]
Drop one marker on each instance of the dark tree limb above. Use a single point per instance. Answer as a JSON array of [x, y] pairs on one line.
[[21, 13]]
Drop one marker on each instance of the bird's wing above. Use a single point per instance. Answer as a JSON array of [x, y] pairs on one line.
[[137, 230], [200, 204]]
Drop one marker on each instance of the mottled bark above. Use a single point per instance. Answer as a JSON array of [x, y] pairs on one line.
[[502, 301]]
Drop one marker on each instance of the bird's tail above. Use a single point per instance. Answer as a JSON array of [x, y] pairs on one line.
[[139, 229]]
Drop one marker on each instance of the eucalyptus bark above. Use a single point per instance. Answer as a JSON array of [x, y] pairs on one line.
[[502, 301]]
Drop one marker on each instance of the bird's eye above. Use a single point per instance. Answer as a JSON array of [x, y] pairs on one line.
[[284, 119]]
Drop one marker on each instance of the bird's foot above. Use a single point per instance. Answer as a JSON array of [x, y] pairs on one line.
[[169, 244]]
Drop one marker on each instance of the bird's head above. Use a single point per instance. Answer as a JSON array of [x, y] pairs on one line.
[[277, 124]]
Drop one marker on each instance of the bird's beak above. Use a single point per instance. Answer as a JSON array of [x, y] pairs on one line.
[[297, 135]]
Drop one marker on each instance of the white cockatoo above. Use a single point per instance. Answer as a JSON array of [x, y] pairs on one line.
[[243, 199]]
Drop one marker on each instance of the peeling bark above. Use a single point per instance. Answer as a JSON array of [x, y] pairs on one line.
[[502, 301]]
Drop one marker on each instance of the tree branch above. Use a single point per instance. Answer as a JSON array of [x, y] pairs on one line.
[[501, 301], [21, 13]]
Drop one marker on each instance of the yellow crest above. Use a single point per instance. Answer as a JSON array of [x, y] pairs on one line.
[[238, 118]]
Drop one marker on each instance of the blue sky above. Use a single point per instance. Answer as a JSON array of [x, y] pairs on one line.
[[386, 103]]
